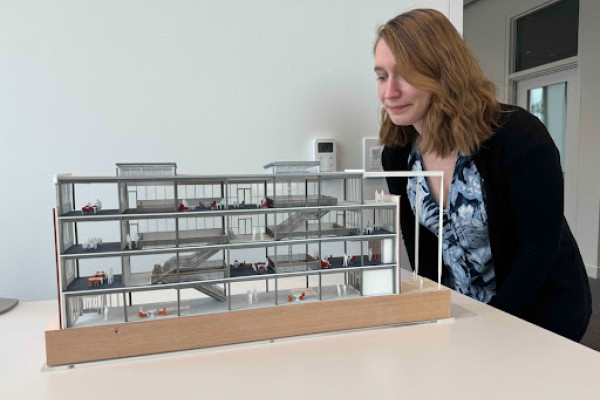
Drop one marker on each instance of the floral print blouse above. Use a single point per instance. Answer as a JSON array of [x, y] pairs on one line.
[[466, 244]]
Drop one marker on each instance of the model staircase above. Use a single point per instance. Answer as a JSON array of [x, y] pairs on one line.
[[212, 290], [167, 273], [296, 219]]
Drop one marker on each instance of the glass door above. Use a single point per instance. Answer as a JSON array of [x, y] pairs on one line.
[[554, 99]]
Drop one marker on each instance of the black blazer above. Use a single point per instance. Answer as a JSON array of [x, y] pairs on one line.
[[539, 271]]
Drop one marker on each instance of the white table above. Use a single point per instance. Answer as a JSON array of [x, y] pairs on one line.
[[482, 354]]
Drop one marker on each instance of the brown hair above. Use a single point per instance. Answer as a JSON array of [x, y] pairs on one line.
[[430, 55]]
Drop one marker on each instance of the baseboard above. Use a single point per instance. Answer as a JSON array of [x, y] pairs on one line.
[[593, 271]]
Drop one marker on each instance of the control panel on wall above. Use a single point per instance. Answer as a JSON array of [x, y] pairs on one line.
[[325, 151]]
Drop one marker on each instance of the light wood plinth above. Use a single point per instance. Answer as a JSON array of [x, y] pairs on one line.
[[77, 345]]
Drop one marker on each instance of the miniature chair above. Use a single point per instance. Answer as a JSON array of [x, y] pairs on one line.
[[141, 313]]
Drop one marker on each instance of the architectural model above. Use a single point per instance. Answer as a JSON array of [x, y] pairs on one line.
[[167, 247]]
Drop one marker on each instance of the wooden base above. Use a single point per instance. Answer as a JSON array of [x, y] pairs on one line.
[[77, 345]]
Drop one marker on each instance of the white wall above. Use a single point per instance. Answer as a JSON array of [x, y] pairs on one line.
[[485, 25], [218, 87]]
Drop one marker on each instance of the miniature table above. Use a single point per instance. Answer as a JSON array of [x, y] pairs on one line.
[[93, 280], [482, 353]]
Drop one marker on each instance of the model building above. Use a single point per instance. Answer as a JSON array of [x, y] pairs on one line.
[[150, 243]]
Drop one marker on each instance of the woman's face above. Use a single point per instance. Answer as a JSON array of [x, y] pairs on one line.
[[404, 103]]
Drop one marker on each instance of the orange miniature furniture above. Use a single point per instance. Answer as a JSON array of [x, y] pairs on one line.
[[162, 311], [93, 281], [290, 298], [302, 296], [142, 315]]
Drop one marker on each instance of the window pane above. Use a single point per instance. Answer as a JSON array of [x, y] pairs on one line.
[[549, 104], [547, 35]]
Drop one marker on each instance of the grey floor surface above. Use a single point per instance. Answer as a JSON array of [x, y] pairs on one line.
[[591, 338]]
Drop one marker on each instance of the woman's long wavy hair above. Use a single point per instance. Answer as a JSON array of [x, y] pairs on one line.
[[431, 55]]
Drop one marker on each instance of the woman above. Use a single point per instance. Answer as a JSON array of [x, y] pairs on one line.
[[505, 239]]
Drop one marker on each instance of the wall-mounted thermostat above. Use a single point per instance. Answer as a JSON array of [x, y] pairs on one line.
[[325, 151]]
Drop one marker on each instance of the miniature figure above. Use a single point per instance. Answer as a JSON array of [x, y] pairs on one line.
[[369, 229], [111, 276], [97, 207], [345, 262], [378, 197]]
